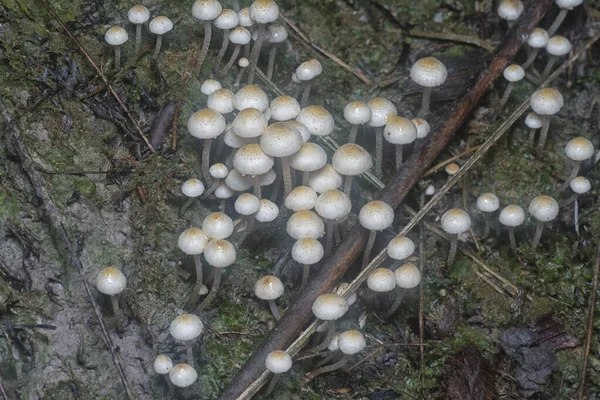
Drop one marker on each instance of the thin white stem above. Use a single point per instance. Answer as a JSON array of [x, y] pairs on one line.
[[232, 59], [114, 300], [538, 235], [287, 177], [213, 289], [274, 309], [424, 112], [206, 161], [506, 94], [271, 66], [117, 57], [257, 189], [158, 46], [378, 151], [511, 236], [329, 368], [558, 21], [189, 349], [223, 50], [353, 134], [138, 37], [348, 184], [256, 52], [398, 156], [452, 253], [368, 248], [205, 45], [544, 131]]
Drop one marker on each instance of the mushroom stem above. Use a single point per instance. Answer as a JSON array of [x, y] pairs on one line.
[[511, 236], [169, 384], [549, 65], [205, 45], [505, 96], [223, 50], [206, 160], [271, 66], [398, 156], [353, 134], [306, 93], [574, 172], [272, 383], [236, 5], [368, 248], [378, 150], [186, 205], [397, 300], [274, 309], [213, 290], [158, 46], [558, 21], [212, 188], [576, 215], [305, 177], [329, 237], [287, 177], [531, 58], [117, 57], [198, 264], [328, 337], [138, 37], [348, 184], [452, 253], [305, 274], [234, 56], [532, 136], [328, 368], [240, 74], [114, 300], [197, 289], [544, 131], [336, 233], [425, 102], [257, 190], [189, 351], [487, 226], [538, 234], [256, 52]]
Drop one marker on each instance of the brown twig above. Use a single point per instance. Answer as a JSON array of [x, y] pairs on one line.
[[100, 74], [441, 165], [452, 37], [590, 327], [331, 271]]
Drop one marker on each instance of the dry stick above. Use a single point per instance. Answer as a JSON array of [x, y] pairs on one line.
[[15, 142], [100, 74], [448, 161], [334, 268], [590, 327], [451, 37], [421, 299]]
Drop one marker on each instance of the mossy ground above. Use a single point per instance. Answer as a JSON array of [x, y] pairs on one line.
[[129, 217]]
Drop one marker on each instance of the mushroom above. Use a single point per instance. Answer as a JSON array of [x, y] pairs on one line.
[[111, 281], [306, 73], [557, 46], [399, 131], [305, 224], [279, 140], [578, 150], [138, 15], [512, 216], [537, 40], [407, 276], [400, 248], [223, 192], [219, 254], [284, 108], [220, 101], [300, 198], [183, 375], [452, 169], [579, 185], [333, 206], [251, 96], [428, 72], [210, 86], [192, 242], [565, 6], [205, 11], [317, 120], [324, 179], [263, 12], [307, 252], [218, 172], [533, 122], [543, 208], [227, 20], [268, 211], [192, 188], [252, 160], [217, 225], [357, 113], [186, 327], [206, 124], [381, 110], [162, 365], [239, 36], [328, 307], [487, 203], [381, 280], [278, 35], [243, 63], [269, 288], [277, 362], [423, 127], [454, 222], [350, 160], [513, 74], [349, 342], [309, 158], [546, 102], [116, 36], [510, 10], [375, 216], [159, 26]]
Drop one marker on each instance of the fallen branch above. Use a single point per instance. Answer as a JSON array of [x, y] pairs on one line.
[[333, 269], [452, 37]]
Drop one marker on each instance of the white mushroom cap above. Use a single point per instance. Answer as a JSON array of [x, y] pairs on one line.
[[305, 224], [430, 190], [538, 38], [116, 36], [579, 149], [300, 198], [284, 108], [249, 123], [514, 73], [278, 362], [228, 19], [301, 128], [317, 119], [329, 307], [279, 140], [220, 253], [206, 124], [546, 101], [243, 62], [183, 375], [452, 169], [192, 241], [138, 14], [357, 113], [268, 288], [232, 140], [455, 221], [186, 327], [221, 101], [252, 160], [245, 18], [209, 86], [351, 342], [217, 225], [488, 202], [351, 159], [240, 35], [251, 96], [568, 4], [268, 211], [160, 25], [512, 215], [533, 121], [423, 127], [218, 170], [192, 187], [310, 157], [381, 280], [237, 181], [580, 185], [399, 130], [543, 208], [247, 204], [307, 251], [206, 10], [264, 11], [223, 191], [400, 248], [408, 276], [326, 178], [376, 215], [162, 364], [334, 344], [110, 281], [267, 178], [309, 70], [558, 46], [333, 205], [278, 33], [381, 110], [343, 286], [429, 72], [510, 9]]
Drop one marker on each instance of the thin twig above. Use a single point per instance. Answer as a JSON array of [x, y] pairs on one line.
[[451, 37], [590, 327], [2, 391], [99, 72], [448, 161]]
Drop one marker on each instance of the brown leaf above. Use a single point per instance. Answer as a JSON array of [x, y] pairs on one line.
[[468, 376]]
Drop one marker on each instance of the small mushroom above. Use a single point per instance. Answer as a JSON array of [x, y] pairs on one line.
[[513, 74], [277, 362], [349, 342], [428, 72], [239, 36], [537, 40], [186, 327], [205, 11], [578, 150], [307, 252], [546, 102], [454, 222], [281, 141], [278, 35], [270, 288], [579, 185], [375, 216], [206, 124], [381, 110], [192, 242], [227, 20], [510, 10], [138, 15], [219, 254], [263, 12], [192, 189], [111, 281], [333, 206], [533, 122], [159, 26], [162, 366], [557, 46], [305, 224], [351, 160], [399, 131], [357, 113], [307, 73], [116, 36], [407, 276], [512, 216], [183, 375], [400, 248], [544, 209], [328, 307], [565, 6], [487, 204]]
